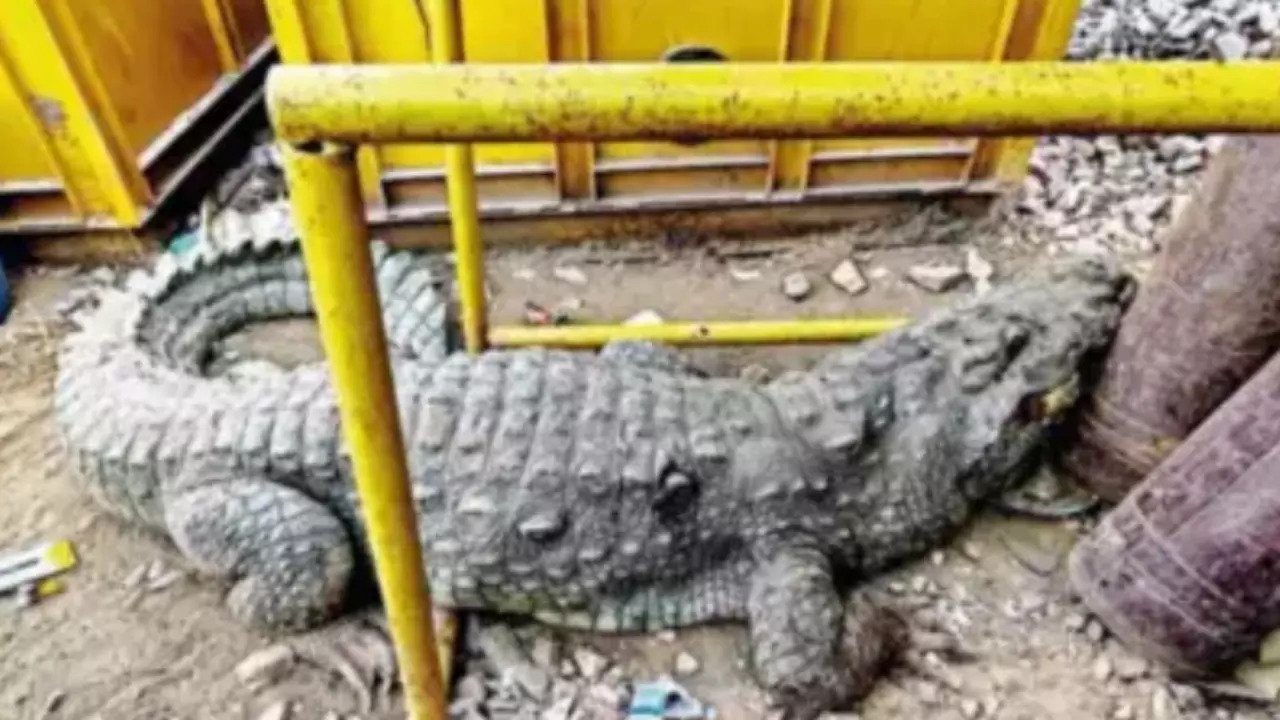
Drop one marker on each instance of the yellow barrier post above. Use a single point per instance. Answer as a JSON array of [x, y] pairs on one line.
[[329, 214], [460, 184]]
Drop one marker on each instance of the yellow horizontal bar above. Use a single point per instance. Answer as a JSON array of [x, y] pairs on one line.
[[750, 332], [394, 103]]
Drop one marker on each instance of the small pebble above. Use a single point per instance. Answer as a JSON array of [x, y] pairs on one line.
[[742, 274], [687, 664], [796, 286], [1075, 622], [1102, 669], [1131, 667], [1123, 711], [590, 663], [936, 278], [971, 709], [666, 636], [847, 277], [1162, 704], [937, 557], [1094, 630], [278, 710], [526, 274], [571, 274], [971, 550], [755, 374], [265, 667], [645, 317]]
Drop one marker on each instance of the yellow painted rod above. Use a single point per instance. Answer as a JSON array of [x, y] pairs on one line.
[[477, 103], [750, 332], [460, 181], [329, 214]]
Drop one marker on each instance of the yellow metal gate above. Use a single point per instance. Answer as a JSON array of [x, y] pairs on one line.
[[405, 181]]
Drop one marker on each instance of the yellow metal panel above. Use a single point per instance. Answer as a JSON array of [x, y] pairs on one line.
[[805, 33], [153, 60], [45, 63], [250, 18], [507, 31], [29, 157], [482, 103], [630, 31]]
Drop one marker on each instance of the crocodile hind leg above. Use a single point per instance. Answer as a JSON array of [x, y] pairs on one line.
[[289, 558], [811, 653], [649, 355]]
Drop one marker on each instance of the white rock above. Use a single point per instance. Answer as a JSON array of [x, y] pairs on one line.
[[526, 274], [1094, 630], [687, 664], [562, 709], [980, 270], [265, 667], [1162, 705], [571, 274], [847, 277], [669, 636], [936, 278], [796, 286], [1131, 667], [743, 274], [590, 663], [545, 652], [645, 317], [1230, 46], [279, 710], [1102, 669], [971, 709], [1123, 711], [471, 687]]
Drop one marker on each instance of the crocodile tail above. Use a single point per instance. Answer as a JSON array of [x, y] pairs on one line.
[[133, 403]]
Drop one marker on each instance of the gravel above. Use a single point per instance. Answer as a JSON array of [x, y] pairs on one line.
[[1114, 194]]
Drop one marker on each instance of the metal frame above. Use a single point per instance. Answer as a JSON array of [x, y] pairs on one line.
[[319, 113]]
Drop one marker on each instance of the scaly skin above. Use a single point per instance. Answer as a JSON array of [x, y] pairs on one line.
[[614, 492]]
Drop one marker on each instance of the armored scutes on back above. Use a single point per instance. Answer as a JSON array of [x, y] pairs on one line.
[[615, 491]]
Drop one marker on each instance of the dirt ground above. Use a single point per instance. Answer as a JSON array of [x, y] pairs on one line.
[[103, 650]]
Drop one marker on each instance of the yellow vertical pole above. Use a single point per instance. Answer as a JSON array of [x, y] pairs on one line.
[[329, 213], [460, 179]]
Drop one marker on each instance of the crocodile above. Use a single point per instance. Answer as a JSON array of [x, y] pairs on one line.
[[614, 492]]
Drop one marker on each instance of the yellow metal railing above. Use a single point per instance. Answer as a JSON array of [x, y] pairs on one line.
[[313, 107]]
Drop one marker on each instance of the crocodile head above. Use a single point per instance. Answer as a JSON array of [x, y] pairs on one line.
[[1049, 332]]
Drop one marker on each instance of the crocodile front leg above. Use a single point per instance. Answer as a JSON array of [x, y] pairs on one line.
[[809, 653], [289, 557]]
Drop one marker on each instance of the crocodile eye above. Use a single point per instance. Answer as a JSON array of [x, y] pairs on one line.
[[677, 492]]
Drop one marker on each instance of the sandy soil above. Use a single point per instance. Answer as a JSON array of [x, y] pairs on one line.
[[103, 650]]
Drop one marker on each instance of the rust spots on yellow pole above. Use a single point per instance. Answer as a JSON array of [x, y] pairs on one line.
[[753, 332], [480, 103], [329, 214]]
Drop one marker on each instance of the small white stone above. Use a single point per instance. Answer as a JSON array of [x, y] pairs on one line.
[[562, 709], [1094, 630], [645, 317], [590, 663], [526, 274], [1230, 46], [571, 274], [1162, 705], [743, 274], [971, 550], [1123, 711], [265, 667], [796, 286], [1131, 667], [279, 710], [980, 270], [687, 664], [971, 709], [936, 278], [666, 636], [847, 277], [1075, 622], [1102, 669], [937, 557]]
